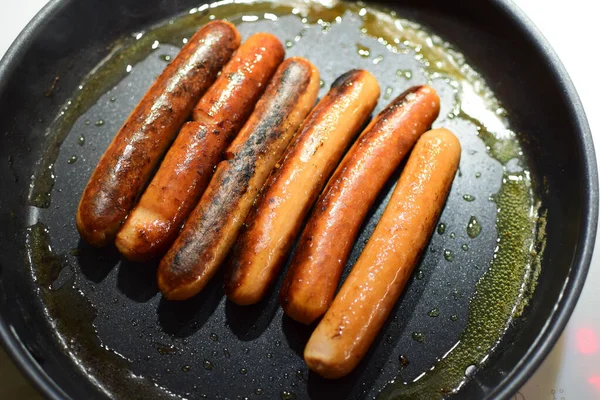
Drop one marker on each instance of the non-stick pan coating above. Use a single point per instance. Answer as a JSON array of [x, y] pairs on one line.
[[68, 38]]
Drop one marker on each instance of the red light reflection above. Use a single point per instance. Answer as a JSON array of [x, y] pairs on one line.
[[595, 380], [586, 341]]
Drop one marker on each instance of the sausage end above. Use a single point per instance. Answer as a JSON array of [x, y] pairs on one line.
[[143, 235], [305, 313], [242, 299], [178, 291], [323, 359], [237, 38], [300, 302], [95, 237]]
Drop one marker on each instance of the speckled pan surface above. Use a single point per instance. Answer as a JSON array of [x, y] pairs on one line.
[[84, 324]]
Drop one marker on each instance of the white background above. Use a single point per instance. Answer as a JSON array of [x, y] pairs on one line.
[[572, 371]]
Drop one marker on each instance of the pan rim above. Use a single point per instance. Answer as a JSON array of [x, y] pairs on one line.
[[9, 339], [546, 338], [553, 328]]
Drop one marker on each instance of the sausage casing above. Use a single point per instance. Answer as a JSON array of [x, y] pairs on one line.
[[369, 293], [186, 170], [274, 222], [131, 157], [188, 165], [212, 227], [331, 230], [230, 101]]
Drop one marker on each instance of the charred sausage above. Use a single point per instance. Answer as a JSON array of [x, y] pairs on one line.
[[143, 139], [186, 170], [212, 227]]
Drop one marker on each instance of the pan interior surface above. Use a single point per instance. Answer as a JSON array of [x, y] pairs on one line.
[[452, 330], [401, 54]]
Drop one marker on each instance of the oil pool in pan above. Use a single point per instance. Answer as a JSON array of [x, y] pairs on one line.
[[490, 235]]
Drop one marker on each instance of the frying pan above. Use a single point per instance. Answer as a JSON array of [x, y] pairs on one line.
[[209, 347]]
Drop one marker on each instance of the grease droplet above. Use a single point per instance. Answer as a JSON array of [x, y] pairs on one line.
[[208, 365], [420, 275], [186, 368], [404, 74], [434, 312], [285, 395], [214, 337], [72, 160], [243, 371], [468, 197], [165, 57], [363, 51], [465, 247], [441, 228], [448, 255], [100, 122], [473, 227], [403, 361], [388, 93], [81, 140], [418, 337], [470, 371], [165, 349]]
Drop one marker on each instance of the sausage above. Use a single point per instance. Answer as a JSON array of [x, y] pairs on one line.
[[328, 237], [367, 296], [212, 227], [187, 168], [230, 101], [275, 220], [131, 157]]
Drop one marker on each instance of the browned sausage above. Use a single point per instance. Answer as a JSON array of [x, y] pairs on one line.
[[128, 162], [186, 170], [328, 237], [272, 225], [230, 101], [367, 296], [212, 227]]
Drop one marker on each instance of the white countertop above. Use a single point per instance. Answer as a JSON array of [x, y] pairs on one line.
[[572, 370]]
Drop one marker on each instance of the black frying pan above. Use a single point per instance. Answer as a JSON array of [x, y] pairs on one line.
[[206, 346]]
